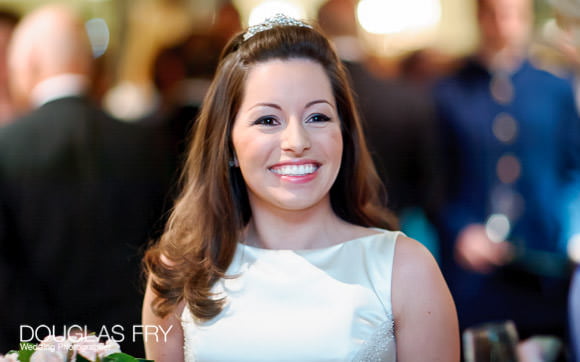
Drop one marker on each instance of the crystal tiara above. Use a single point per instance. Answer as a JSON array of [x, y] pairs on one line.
[[272, 22]]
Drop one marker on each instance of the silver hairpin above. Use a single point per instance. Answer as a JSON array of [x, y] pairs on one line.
[[274, 21]]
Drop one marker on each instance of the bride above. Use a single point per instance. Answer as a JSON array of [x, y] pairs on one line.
[[278, 248]]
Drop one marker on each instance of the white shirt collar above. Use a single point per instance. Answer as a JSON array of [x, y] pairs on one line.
[[60, 86]]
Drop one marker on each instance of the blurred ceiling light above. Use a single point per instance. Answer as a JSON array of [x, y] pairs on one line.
[[395, 16], [99, 35], [267, 9]]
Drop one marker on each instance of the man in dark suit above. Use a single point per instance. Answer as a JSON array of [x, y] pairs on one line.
[[79, 195]]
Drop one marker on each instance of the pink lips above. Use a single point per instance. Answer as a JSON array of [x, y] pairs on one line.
[[296, 172]]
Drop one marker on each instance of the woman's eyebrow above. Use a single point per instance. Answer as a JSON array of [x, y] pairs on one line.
[[310, 104], [272, 105]]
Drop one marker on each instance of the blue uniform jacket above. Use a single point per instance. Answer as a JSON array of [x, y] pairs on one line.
[[518, 158], [546, 145]]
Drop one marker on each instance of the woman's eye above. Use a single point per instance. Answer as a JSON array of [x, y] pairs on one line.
[[266, 121], [318, 118]]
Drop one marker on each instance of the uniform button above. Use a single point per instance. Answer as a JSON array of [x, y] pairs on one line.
[[507, 201], [508, 169], [505, 128]]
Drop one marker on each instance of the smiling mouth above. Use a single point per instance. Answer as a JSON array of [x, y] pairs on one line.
[[295, 170]]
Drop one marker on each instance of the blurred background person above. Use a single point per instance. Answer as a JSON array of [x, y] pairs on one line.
[[399, 121], [79, 191], [182, 73], [422, 67], [8, 21], [512, 142], [567, 41]]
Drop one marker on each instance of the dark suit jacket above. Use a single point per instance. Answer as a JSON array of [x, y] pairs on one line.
[[400, 128], [80, 194]]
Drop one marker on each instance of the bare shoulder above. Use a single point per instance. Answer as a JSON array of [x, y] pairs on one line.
[[423, 308], [411, 255], [414, 265]]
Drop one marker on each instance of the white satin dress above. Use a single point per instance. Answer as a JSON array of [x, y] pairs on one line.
[[329, 304]]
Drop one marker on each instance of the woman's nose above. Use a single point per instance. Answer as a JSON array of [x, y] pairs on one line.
[[295, 138]]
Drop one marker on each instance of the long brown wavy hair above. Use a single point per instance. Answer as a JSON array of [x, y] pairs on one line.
[[208, 218]]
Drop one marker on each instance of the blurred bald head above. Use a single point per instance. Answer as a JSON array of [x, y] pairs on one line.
[[47, 42]]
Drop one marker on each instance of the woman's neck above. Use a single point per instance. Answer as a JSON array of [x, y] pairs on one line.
[[315, 227]]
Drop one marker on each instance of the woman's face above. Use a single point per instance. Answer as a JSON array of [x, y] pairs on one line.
[[287, 135]]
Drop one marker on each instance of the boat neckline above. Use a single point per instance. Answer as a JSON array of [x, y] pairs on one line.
[[319, 249]]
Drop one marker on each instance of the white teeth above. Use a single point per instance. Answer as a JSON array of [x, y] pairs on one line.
[[295, 170]]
